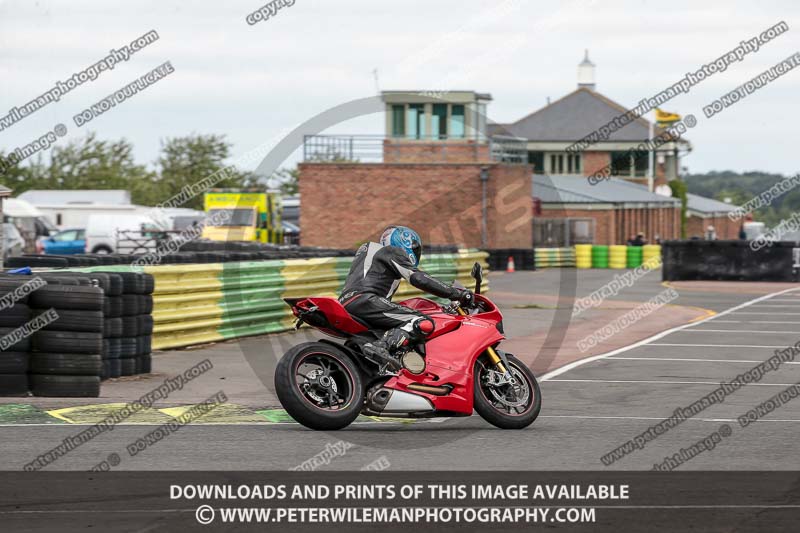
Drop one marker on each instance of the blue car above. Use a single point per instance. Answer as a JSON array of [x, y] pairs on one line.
[[66, 242]]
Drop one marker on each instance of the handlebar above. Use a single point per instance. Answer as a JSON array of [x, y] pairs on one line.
[[481, 303]]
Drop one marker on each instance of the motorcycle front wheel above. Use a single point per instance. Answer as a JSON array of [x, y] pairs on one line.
[[319, 386], [506, 405]]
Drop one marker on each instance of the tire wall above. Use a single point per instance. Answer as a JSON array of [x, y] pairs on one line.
[[72, 331], [554, 257], [597, 256], [201, 303], [523, 258], [727, 261], [111, 316]]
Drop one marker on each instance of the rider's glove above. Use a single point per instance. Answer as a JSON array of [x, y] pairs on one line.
[[466, 298]]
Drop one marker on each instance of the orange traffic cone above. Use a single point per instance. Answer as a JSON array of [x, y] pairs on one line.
[[510, 266]]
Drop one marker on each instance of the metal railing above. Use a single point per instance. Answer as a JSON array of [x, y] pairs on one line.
[[507, 149], [343, 148], [428, 149], [142, 241]]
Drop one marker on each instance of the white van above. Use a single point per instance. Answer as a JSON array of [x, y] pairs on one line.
[[29, 221], [119, 233]]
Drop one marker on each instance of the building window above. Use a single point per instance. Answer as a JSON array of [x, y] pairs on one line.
[[416, 121], [573, 164], [398, 120], [439, 120], [641, 163], [58, 219], [457, 121], [581, 231], [621, 164], [537, 160], [559, 163], [556, 163], [557, 232], [629, 164]]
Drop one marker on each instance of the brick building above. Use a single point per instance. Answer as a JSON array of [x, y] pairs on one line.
[[609, 212], [442, 169], [434, 170], [575, 212], [702, 212], [550, 130], [345, 204]]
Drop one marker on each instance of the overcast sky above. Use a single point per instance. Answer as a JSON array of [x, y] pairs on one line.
[[253, 83]]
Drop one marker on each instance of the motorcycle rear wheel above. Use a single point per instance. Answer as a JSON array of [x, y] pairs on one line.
[[319, 386], [507, 406]]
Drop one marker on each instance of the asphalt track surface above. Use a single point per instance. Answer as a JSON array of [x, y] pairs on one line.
[[589, 408]]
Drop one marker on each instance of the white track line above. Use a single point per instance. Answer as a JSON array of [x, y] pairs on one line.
[[68, 425], [693, 360], [662, 382], [741, 331], [759, 313], [753, 322], [575, 364], [693, 419], [717, 345], [443, 419]]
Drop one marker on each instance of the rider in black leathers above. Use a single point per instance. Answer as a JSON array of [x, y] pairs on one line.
[[374, 276]]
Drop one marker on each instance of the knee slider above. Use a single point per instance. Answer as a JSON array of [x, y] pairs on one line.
[[424, 326]]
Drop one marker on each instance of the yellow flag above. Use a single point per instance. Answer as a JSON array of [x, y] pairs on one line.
[[665, 117]]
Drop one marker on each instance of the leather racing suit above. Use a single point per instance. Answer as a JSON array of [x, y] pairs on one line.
[[372, 281]]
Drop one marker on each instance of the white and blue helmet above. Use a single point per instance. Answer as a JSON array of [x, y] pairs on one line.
[[405, 238]]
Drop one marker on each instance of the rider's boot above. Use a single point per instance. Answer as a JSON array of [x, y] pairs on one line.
[[396, 342], [389, 348]]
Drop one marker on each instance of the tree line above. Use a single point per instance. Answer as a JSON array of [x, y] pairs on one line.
[[743, 187], [91, 163]]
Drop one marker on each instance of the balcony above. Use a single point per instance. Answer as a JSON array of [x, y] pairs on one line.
[[382, 149]]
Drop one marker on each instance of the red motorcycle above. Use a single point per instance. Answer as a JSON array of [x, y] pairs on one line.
[[325, 385]]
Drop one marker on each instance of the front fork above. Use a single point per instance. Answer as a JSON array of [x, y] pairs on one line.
[[498, 362]]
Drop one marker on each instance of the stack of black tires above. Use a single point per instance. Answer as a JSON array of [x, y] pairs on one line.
[[89, 326], [63, 261], [130, 329], [112, 326], [524, 258], [66, 360], [199, 251], [14, 359]]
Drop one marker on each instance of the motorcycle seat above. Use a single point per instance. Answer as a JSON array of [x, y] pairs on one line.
[[327, 314]]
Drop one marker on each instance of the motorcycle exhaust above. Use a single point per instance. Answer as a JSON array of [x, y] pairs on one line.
[[388, 402]]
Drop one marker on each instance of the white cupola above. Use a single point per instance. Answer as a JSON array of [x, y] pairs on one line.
[[586, 72]]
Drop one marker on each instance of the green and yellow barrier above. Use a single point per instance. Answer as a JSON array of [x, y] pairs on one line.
[[554, 257], [617, 256], [599, 256], [651, 252], [209, 302], [583, 255], [634, 256]]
